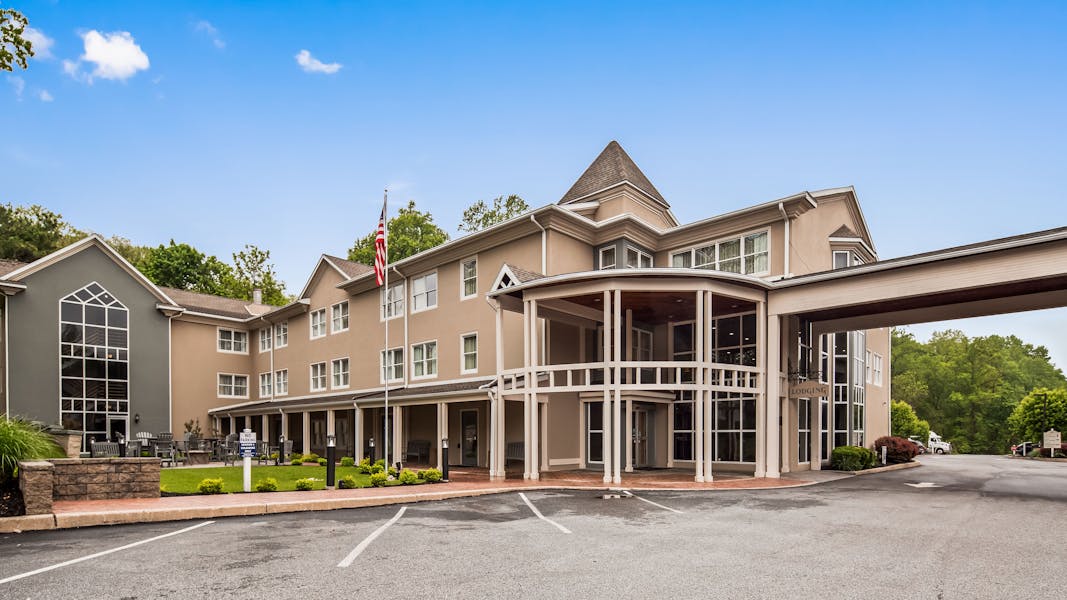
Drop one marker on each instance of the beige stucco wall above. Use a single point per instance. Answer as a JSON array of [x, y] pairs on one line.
[[195, 367], [563, 434], [810, 232]]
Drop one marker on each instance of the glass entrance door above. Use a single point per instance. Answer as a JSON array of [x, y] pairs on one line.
[[469, 428], [641, 418], [116, 426]]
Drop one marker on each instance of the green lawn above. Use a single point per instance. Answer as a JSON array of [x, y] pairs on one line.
[[184, 481]]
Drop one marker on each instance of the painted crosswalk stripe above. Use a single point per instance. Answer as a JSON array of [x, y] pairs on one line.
[[370, 538], [541, 516]]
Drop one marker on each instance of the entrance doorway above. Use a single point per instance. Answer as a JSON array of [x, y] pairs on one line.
[[468, 420], [116, 426], [642, 419]]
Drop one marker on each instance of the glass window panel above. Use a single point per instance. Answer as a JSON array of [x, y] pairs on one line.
[[71, 312], [730, 266], [95, 315], [705, 257], [730, 249], [72, 421], [683, 415], [116, 369], [116, 317], [726, 447], [682, 261], [607, 258], [71, 333], [95, 368], [72, 388], [748, 447], [596, 416], [94, 289], [72, 367], [596, 447], [96, 422], [756, 264], [756, 243], [95, 336], [748, 418], [116, 338], [118, 390], [95, 388], [683, 446]]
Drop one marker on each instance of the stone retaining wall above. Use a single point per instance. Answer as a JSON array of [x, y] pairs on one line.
[[42, 482]]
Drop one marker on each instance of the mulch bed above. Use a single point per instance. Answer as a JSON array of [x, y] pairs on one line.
[[11, 499]]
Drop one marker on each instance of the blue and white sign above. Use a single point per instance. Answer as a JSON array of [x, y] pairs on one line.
[[247, 444]]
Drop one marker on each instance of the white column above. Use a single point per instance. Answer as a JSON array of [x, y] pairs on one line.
[[698, 396], [617, 425], [709, 406], [264, 433], [816, 434], [774, 392], [535, 410], [492, 434], [306, 433], [670, 435], [498, 424], [233, 425], [527, 374], [285, 425], [582, 436], [357, 426], [606, 415], [331, 422], [542, 442], [629, 417], [788, 424], [762, 340], [441, 434], [444, 432]]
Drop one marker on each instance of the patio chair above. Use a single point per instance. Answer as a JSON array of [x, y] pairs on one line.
[[104, 449], [165, 436], [144, 438], [133, 449], [229, 454], [420, 449], [285, 452], [165, 452], [263, 453], [515, 451]]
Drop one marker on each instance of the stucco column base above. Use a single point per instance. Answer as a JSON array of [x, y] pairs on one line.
[[617, 479]]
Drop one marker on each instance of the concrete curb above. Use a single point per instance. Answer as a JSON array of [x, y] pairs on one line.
[[91, 519], [887, 468]]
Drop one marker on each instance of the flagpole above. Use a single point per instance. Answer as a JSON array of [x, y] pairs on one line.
[[385, 356]]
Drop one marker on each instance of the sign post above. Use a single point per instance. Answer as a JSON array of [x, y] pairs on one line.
[[248, 448], [1052, 441]]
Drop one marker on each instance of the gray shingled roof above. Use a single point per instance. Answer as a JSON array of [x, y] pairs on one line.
[[8, 265], [613, 166], [522, 274], [426, 390], [844, 232], [215, 305], [350, 268]]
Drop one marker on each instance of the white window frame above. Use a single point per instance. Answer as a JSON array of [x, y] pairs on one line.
[[614, 261], [281, 335], [232, 341], [463, 279], [281, 382], [346, 317], [266, 385], [742, 255], [334, 372], [878, 368], [324, 375], [232, 385], [425, 293], [394, 306], [833, 259], [425, 362], [397, 355], [266, 339], [322, 323], [869, 377], [463, 353], [640, 255]]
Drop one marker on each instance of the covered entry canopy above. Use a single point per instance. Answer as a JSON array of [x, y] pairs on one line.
[[1014, 274]]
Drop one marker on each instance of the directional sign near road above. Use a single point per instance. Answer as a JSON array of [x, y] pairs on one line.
[[1052, 439], [248, 444]]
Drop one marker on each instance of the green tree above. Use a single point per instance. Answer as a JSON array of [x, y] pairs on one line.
[[905, 423], [479, 216], [14, 48], [184, 267], [1033, 416], [28, 233], [410, 232], [253, 270]]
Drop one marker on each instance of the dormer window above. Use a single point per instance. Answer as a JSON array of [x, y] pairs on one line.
[[622, 254]]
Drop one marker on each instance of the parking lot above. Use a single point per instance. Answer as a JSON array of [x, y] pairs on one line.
[[959, 527]]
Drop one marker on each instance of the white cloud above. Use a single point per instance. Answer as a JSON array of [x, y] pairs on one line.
[[44, 96], [211, 32], [18, 83], [310, 64], [41, 43], [116, 56]]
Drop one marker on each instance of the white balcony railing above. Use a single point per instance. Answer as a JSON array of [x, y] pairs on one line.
[[633, 375]]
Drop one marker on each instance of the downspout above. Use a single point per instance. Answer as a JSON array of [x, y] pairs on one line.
[[272, 381], [7, 351], [407, 311], [785, 218], [544, 271]]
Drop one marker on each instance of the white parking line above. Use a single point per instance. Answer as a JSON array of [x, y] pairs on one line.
[[540, 516], [656, 504], [99, 554], [370, 538]]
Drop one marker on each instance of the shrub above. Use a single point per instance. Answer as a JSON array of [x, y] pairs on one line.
[[297, 461], [23, 440], [348, 461], [376, 468], [210, 486], [1035, 453], [378, 478], [430, 475], [852, 458], [297, 457], [348, 482], [393, 472], [304, 484], [269, 484], [897, 449], [322, 462], [408, 477], [311, 457], [380, 462]]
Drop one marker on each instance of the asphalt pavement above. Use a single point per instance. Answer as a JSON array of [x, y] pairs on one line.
[[959, 527]]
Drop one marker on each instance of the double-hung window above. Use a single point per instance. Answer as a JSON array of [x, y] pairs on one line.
[[424, 292], [265, 386], [468, 274], [469, 353], [393, 301], [339, 317], [746, 254], [339, 372], [233, 386], [231, 340], [318, 323], [424, 360], [638, 259], [318, 377], [392, 362], [281, 334], [264, 339], [281, 382], [607, 258]]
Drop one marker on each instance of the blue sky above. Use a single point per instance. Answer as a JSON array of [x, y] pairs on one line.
[[198, 122]]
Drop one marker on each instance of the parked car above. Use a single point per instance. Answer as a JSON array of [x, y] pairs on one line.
[[1024, 448], [918, 443]]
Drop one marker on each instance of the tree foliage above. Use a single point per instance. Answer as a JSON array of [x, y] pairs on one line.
[[1034, 415], [253, 270], [184, 267], [906, 423], [15, 49], [411, 231], [479, 216], [967, 388], [30, 232]]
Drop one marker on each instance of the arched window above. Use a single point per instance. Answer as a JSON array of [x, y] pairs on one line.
[[94, 363]]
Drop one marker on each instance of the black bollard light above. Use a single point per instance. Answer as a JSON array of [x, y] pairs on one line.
[[281, 451], [444, 459], [373, 457], [331, 456]]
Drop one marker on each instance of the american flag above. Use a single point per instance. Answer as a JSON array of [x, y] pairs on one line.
[[379, 250]]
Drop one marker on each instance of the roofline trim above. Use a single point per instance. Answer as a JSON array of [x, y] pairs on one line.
[[629, 273]]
